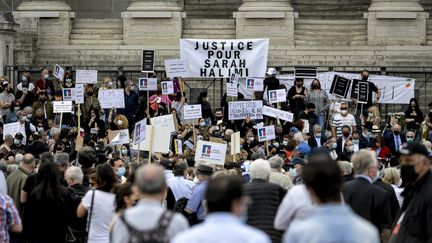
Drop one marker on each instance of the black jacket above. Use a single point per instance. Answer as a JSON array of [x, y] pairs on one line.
[[313, 143], [394, 204], [416, 225], [390, 142], [369, 202], [266, 198]]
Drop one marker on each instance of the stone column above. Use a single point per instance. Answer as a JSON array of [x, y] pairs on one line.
[[53, 18], [8, 28], [153, 23], [396, 22], [273, 19]]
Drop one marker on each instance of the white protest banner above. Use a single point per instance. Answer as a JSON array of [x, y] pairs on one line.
[[59, 72], [62, 106], [178, 143], [11, 129], [266, 133], [176, 68], [140, 131], [68, 94], [235, 143], [210, 152], [111, 98], [118, 137], [148, 84], [191, 112], [160, 140], [276, 96], [394, 90], [79, 94], [222, 58], [232, 90], [167, 87], [166, 122], [239, 110], [86, 76], [254, 84], [276, 113]]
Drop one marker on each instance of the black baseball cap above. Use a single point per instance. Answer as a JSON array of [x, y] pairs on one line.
[[414, 147]]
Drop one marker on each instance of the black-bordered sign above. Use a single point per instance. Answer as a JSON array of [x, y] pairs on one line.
[[340, 86], [147, 61]]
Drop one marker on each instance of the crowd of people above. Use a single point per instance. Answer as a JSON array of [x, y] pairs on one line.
[[337, 173]]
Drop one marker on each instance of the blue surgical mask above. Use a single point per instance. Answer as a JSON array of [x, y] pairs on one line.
[[24, 78], [120, 171], [355, 141], [318, 135], [124, 151], [17, 141], [293, 172], [285, 143], [276, 145], [334, 146], [46, 76]]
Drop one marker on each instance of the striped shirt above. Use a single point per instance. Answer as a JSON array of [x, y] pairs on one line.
[[8, 217], [339, 121]]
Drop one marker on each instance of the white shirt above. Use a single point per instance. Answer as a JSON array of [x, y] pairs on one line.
[[339, 121], [398, 192], [30, 87], [222, 227], [318, 141], [3, 184], [181, 187], [102, 215], [22, 131], [296, 204]]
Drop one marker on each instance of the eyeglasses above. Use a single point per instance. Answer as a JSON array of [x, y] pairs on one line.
[[344, 109]]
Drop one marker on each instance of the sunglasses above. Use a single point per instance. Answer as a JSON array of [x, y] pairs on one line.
[[344, 109]]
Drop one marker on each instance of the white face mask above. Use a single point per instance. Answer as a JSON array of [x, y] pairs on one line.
[[293, 172], [110, 84], [202, 124], [119, 122], [371, 114], [344, 112]]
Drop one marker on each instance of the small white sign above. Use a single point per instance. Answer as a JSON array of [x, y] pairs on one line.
[[167, 87], [157, 139], [140, 131], [119, 137], [276, 113], [266, 133], [86, 76], [62, 106], [11, 129], [191, 112], [111, 98], [232, 90], [59, 72], [178, 146], [148, 84], [79, 93], [68, 94], [176, 68], [166, 122], [276, 96], [255, 84], [235, 143], [210, 152]]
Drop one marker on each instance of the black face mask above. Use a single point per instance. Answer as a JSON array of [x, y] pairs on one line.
[[219, 117], [346, 134], [396, 133], [90, 93], [408, 173], [315, 86], [365, 78]]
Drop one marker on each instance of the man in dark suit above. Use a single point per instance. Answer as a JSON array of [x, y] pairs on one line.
[[395, 140], [366, 199], [359, 141], [346, 135], [317, 139]]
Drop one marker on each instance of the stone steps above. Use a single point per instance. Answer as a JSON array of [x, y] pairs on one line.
[[209, 28], [202, 9], [97, 32]]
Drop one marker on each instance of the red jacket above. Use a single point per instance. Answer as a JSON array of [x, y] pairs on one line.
[[384, 152]]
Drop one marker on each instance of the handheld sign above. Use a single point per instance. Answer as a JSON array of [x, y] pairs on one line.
[[354, 89], [68, 94], [11, 129], [191, 112], [140, 131], [147, 61], [178, 143], [111, 98], [62, 106], [276, 96], [254, 84], [240, 110], [340, 86], [157, 140], [276, 113], [166, 122], [79, 94], [148, 84], [210, 152], [235, 143], [167, 87], [118, 137], [59, 72], [266, 133], [176, 68], [232, 90], [86, 76], [363, 92]]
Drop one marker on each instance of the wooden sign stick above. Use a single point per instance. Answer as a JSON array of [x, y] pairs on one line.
[[150, 144]]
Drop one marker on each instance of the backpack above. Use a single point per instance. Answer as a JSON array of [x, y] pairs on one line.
[[155, 235], [180, 205]]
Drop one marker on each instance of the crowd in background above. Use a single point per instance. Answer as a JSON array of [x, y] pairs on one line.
[[337, 166]]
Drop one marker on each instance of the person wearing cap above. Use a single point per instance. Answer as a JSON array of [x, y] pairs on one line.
[[265, 199], [195, 203], [271, 82], [168, 166], [414, 223], [296, 170], [367, 200], [6, 99], [17, 147], [297, 97]]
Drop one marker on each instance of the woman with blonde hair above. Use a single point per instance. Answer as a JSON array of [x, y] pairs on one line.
[[373, 118], [392, 178]]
